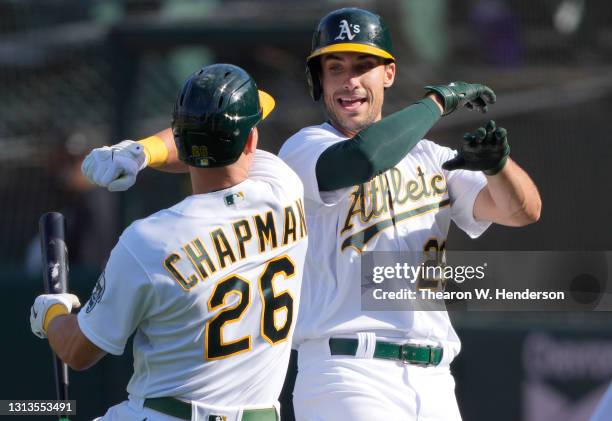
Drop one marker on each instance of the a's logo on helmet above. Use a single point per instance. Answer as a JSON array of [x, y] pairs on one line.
[[345, 29]]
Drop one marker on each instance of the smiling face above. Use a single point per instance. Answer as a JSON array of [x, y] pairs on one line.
[[353, 89]]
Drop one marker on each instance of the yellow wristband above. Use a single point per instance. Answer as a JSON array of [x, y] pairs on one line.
[[54, 311], [155, 150]]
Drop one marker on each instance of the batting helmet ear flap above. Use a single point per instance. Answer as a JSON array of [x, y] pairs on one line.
[[313, 79]]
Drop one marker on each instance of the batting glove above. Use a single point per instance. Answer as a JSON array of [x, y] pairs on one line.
[[46, 307], [115, 167], [462, 94], [485, 150]]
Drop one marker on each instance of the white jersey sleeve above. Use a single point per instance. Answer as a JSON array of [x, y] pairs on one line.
[[119, 302], [302, 151], [463, 187]]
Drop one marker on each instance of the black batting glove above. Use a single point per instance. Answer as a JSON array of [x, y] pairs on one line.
[[462, 94], [484, 150]]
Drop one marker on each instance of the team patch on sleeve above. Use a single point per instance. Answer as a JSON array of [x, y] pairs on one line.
[[97, 293]]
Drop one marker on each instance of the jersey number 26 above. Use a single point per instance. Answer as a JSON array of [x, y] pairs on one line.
[[216, 347]]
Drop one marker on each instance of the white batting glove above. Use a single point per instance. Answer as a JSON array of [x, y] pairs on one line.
[[53, 302], [115, 167]]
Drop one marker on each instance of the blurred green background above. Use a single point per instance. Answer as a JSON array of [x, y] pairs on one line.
[[77, 74]]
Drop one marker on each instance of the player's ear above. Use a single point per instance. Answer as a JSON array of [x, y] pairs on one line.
[[251, 143], [389, 74]]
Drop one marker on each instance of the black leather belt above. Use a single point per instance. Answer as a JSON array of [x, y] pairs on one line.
[[424, 355], [181, 409]]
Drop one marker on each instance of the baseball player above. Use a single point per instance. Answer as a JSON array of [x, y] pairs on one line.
[[211, 286], [374, 184]]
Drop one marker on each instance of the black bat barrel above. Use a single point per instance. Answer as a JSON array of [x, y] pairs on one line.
[[52, 227]]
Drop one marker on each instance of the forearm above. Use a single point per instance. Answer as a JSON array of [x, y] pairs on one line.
[[70, 345], [163, 160], [513, 195], [377, 148]]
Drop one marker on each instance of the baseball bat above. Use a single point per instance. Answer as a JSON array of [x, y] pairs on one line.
[[52, 227]]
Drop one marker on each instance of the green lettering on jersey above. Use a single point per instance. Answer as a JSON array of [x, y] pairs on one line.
[[242, 230], [303, 227], [169, 264], [266, 231], [359, 240], [222, 247], [198, 255], [290, 226]]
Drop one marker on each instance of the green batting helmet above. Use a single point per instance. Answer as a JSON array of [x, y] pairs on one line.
[[347, 30], [214, 113]]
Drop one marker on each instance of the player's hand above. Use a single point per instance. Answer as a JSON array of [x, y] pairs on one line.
[[115, 167], [485, 150], [463, 94], [46, 307]]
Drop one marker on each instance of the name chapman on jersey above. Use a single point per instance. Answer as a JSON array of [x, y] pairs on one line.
[[479, 294], [229, 244]]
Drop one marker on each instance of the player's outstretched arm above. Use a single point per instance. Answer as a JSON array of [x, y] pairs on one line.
[[163, 155], [385, 143], [50, 318], [116, 167], [462, 94], [510, 197]]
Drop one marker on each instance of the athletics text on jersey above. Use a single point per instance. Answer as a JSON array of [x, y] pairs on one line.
[[407, 208]]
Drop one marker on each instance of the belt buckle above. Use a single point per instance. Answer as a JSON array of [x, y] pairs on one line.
[[428, 363]]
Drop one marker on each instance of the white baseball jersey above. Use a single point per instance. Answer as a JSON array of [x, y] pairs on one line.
[[211, 286], [345, 222]]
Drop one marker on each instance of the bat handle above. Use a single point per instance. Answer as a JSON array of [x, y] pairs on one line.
[[61, 381], [52, 227]]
